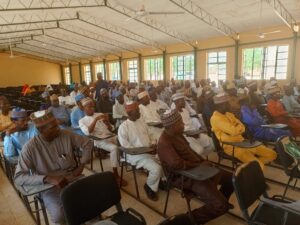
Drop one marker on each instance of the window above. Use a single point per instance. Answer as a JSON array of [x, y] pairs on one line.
[[265, 62], [132, 70], [67, 76], [114, 71], [154, 69], [87, 74], [216, 66], [99, 68], [182, 67]]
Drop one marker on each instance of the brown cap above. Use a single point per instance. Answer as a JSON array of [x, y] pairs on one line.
[[41, 118]]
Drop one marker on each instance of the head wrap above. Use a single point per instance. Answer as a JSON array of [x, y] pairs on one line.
[[273, 90], [41, 118], [142, 94], [177, 96], [79, 97], [18, 113], [86, 101], [53, 97], [83, 89], [130, 106], [221, 98], [170, 117]]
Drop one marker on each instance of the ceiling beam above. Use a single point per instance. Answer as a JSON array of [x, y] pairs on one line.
[[283, 14], [48, 5], [201, 14], [96, 37], [147, 21], [97, 22], [26, 18]]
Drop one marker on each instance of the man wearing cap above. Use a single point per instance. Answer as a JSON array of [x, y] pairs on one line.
[[279, 114], [201, 143], [74, 93], [103, 104], [65, 99], [18, 136], [155, 103], [289, 100], [60, 112], [77, 114], [228, 128], [234, 101], [97, 125], [85, 91], [100, 84], [5, 121], [49, 158], [149, 114], [191, 111], [175, 153], [133, 133], [119, 113]]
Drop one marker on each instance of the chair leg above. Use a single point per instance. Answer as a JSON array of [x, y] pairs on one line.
[[295, 183], [43, 208], [92, 159], [166, 203], [135, 182], [36, 207], [286, 187], [122, 172], [100, 160]]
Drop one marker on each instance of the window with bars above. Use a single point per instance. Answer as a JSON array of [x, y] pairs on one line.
[[114, 71], [132, 70], [87, 74], [99, 68], [67, 76], [182, 67], [216, 66], [154, 69], [265, 62]]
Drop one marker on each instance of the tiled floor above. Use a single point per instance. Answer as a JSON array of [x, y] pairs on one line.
[[12, 211]]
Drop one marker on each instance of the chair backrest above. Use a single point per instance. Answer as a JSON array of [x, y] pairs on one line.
[[88, 197], [249, 184], [181, 219], [285, 159]]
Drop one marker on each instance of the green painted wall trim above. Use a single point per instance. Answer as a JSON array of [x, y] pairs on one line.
[[92, 71], [71, 74], [295, 40], [195, 63], [104, 69], [80, 72], [120, 67], [164, 66], [62, 74], [236, 59], [141, 74]]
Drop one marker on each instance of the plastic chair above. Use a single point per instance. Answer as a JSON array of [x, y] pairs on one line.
[[87, 198]]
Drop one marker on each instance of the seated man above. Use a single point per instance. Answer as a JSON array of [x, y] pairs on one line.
[[228, 128], [149, 114], [65, 99], [201, 143], [18, 136], [77, 114], [157, 104], [254, 121], [176, 154], [234, 101], [104, 105], [119, 112], [49, 158], [279, 114], [5, 121], [289, 101], [60, 112], [74, 93], [97, 125], [134, 133]]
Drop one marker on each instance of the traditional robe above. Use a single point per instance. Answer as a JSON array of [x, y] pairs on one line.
[[101, 131], [135, 134], [228, 128], [119, 112], [76, 115], [290, 103], [254, 120], [40, 158], [279, 114]]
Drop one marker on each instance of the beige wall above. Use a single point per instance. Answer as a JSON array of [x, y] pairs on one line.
[[247, 39], [22, 70]]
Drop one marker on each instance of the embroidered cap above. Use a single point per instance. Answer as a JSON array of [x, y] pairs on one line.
[[273, 90], [221, 98], [18, 113], [170, 117], [131, 106], [41, 118], [142, 94]]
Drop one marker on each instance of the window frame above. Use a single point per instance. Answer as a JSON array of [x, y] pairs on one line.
[[182, 66], [103, 70], [133, 70], [218, 63], [87, 74], [67, 75], [158, 73], [117, 69]]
